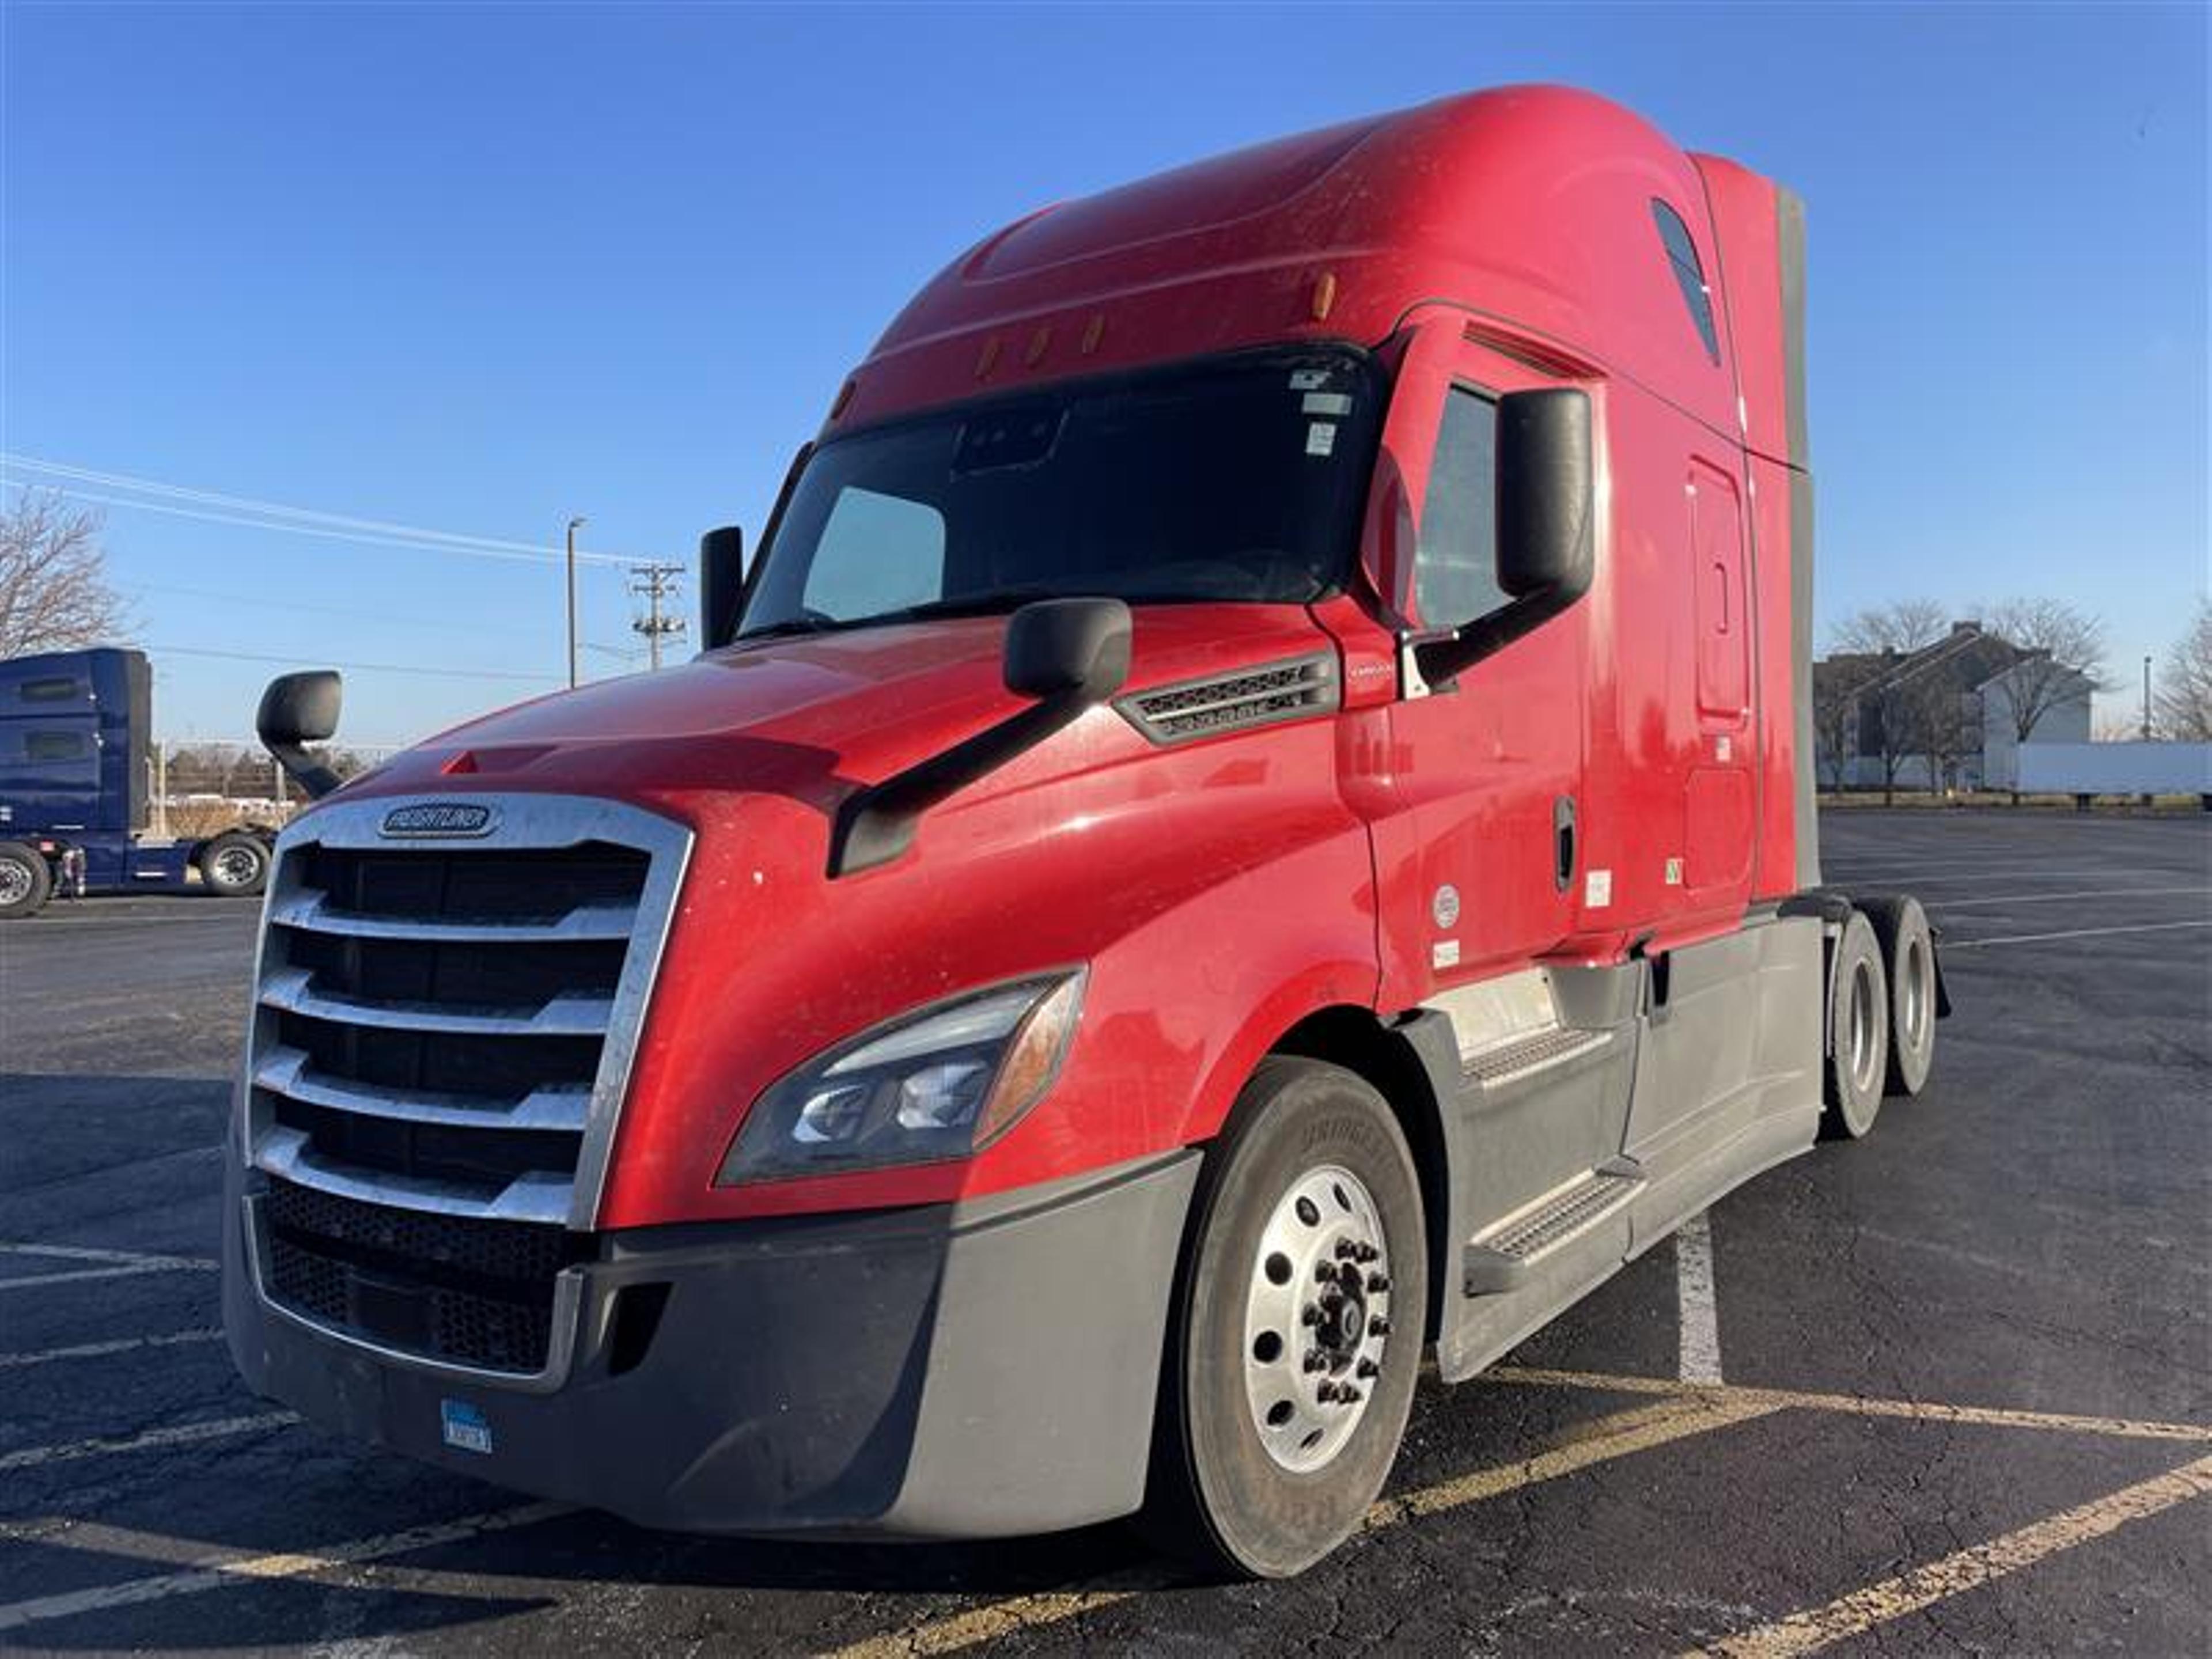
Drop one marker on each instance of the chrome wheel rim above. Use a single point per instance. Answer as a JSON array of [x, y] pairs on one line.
[[1316, 1318], [1915, 971], [15, 881], [234, 866], [1864, 1056]]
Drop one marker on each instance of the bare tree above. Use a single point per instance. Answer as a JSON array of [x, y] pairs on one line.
[[1903, 626], [1946, 722], [54, 591], [1889, 703], [2183, 703], [1836, 685], [2063, 652]]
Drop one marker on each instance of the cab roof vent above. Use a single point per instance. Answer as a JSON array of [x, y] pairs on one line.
[[1191, 709]]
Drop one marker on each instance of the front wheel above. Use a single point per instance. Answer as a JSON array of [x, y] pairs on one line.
[[24, 881], [234, 865], [1297, 1326]]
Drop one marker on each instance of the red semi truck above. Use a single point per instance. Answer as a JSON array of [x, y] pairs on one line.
[[1251, 818]]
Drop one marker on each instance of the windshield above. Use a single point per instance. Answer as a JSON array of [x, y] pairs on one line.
[[1230, 479]]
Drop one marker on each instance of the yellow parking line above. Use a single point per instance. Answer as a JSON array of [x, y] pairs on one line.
[[184, 1434], [1967, 1569], [1618, 1436], [221, 1569], [1998, 1417]]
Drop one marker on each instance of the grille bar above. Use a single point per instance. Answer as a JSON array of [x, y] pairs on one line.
[[291, 990], [287, 1154], [311, 911], [285, 1071]]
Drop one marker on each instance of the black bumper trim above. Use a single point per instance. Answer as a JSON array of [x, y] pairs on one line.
[[949, 1371]]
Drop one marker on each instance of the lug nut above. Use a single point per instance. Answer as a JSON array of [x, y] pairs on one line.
[[1368, 1368], [1368, 1252], [1323, 1273], [1348, 1395], [1325, 1393], [1310, 1315], [1378, 1326], [1378, 1283], [1345, 1249], [1316, 1360]]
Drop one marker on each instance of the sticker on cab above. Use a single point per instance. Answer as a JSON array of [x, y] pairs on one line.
[[1321, 438], [464, 1426]]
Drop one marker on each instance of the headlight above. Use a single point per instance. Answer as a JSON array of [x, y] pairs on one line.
[[941, 1083]]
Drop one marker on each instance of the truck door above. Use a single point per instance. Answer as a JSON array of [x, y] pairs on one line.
[[1477, 877], [1719, 810]]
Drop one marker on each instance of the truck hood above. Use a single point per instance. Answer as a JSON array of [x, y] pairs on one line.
[[809, 716]]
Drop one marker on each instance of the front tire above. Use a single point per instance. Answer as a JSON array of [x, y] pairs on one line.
[[24, 881], [1296, 1335], [234, 865]]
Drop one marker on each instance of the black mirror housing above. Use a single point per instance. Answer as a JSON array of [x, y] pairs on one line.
[[722, 585], [1547, 492], [300, 707], [296, 710], [1546, 511], [1058, 646]]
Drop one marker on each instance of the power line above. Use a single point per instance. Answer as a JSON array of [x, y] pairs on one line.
[[360, 667], [471, 626], [281, 528], [224, 508]]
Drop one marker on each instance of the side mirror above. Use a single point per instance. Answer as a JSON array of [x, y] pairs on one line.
[[722, 585], [1069, 654], [296, 710], [1546, 493], [1063, 647], [1547, 514]]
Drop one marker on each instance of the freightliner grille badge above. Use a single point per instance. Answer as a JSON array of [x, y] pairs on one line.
[[429, 818]]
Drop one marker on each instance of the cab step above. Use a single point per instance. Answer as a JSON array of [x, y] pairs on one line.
[[1501, 1256], [1538, 1051]]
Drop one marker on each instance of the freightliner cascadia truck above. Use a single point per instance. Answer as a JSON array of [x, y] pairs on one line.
[[77, 813], [1250, 820]]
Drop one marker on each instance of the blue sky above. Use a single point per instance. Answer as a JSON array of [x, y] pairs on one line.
[[478, 268]]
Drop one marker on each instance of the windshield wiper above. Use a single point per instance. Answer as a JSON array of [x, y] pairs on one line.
[[984, 603]]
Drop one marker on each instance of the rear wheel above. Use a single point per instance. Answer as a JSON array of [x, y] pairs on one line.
[[1858, 1031], [1908, 956], [1296, 1328], [234, 865], [24, 881]]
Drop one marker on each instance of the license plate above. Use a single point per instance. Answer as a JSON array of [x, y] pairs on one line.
[[464, 1426]]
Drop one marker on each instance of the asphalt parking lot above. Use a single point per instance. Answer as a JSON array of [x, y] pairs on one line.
[[1949, 1389]]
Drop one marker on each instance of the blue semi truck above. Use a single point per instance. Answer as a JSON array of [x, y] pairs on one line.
[[76, 797]]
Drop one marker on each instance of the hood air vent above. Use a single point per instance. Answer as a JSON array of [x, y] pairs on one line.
[[1231, 703]]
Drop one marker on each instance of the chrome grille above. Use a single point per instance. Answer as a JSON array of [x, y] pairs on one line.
[[1259, 696], [444, 1029]]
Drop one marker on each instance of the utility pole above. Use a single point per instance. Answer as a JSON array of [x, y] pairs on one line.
[[656, 582], [574, 524], [2146, 718]]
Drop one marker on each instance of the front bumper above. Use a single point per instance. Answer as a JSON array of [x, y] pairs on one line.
[[976, 1370]]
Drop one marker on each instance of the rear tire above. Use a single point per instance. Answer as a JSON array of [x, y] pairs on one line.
[[1858, 1032], [25, 882], [1304, 1275], [1908, 956], [234, 865]]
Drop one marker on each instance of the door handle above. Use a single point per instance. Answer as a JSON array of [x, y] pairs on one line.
[[1563, 842]]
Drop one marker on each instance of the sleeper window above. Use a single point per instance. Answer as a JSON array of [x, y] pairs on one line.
[[1455, 562], [1689, 273]]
